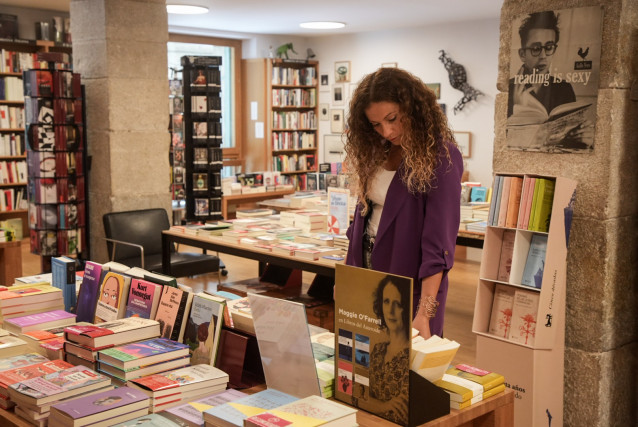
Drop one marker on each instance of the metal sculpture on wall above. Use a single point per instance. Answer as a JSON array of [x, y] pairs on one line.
[[458, 80]]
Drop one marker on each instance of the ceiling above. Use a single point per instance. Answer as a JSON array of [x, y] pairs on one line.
[[283, 16]]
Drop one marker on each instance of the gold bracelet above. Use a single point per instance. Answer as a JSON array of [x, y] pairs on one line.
[[429, 305]]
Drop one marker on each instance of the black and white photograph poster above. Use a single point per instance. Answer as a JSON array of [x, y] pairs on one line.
[[553, 86]]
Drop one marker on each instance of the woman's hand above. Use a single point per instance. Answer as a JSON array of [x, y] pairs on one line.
[[422, 323]]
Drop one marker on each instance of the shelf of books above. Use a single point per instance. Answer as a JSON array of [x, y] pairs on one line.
[[519, 311], [202, 137], [177, 146]]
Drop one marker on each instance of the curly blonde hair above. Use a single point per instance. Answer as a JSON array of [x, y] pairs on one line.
[[426, 135]]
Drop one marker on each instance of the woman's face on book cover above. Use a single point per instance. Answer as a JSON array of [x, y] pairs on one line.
[[392, 307]]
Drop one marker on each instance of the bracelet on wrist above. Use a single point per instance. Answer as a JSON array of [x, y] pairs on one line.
[[428, 305]]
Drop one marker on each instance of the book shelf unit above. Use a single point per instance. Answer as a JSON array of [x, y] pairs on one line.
[[533, 371], [202, 137], [17, 55], [177, 157], [288, 91]]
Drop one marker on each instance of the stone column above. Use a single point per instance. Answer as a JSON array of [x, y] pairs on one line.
[[119, 48], [602, 304]]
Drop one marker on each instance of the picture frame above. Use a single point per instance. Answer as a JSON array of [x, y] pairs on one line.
[[333, 148], [324, 112], [338, 94], [436, 88], [336, 120], [342, 71], [324, 80], [389, 65], [464, 142]]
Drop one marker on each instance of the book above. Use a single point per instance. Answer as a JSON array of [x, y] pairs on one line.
[[543, 206], [505, 258], [89, 291], [111, 304], [100, 409], [172, 312], [143, 299], [162, 419], [142, 353], [47, 319], [113, 333], [233, 414], [535, 261], [123, 376], [431, 357], [524, 317], [478, 194], [487, 379], [63, 273], [513, 201], [20, 360], [56, 386], [527, 203], [239, 310], [12, 376], [192, 413], [501, 314], [532, 209], [496, 200], [318, 252], [204, 327], [29, 294], [12, 346], [308, 411], [504, 201], [460, 389]]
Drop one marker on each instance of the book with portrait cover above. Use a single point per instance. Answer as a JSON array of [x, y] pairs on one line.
[[172, 313], [373, 313], [111, 304], [204, 326]]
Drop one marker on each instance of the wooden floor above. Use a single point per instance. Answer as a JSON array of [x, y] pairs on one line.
[[458, 316]]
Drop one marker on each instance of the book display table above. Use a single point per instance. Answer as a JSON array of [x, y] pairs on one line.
[[238, 199]]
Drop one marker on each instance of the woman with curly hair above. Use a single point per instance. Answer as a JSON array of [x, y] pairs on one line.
[[405, 170]]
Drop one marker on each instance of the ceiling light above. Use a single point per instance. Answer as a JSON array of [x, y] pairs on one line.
[[185, 9], [322, 25]]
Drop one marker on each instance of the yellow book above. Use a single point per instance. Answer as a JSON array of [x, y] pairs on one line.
[[489, 380], [494, 391]]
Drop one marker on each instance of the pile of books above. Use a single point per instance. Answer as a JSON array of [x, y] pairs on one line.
[[468, 385], [21, 373], [22, 300], [323, 349], [10, 345], [431, 357]]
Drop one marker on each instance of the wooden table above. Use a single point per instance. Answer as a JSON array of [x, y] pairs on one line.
[[471, 239], [238, 199], [10, 262]]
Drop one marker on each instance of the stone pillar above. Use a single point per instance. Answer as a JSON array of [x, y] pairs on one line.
[[119, 48], [602, 297]]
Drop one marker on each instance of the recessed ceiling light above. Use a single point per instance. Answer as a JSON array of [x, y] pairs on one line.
[[322, 25], [185, 9]]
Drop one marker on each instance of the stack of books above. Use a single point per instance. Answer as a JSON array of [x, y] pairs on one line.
[[38, 321], [18, 361], [319, 238], [317, 252], [234, 413], [311, 222], [12, 376], [35, 396], [22, 300], [173, 388], [48, 342], [191, 413], [11, 346], [82, 342], [341, 241], [323, 349], [138, 359], [431, 357], [290, 248], [468, 385], [311, 410], [101, 409]]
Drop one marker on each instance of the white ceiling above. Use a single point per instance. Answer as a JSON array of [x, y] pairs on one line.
[[284, 16]]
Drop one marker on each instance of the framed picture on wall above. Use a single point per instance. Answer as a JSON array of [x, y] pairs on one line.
[[324, 86], [338, 94], [464, 141], [333, 148], [324, 112], [342, 71], [389, 65], [336, 120], [436, 88]]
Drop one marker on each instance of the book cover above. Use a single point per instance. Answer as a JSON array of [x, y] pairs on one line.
[[43, 320], [532, 211], [63, 274], [487, 379], [478, 194], [181, 378], [504, 201], [111, 304], [524, 317], [12, 346], [535, 262], [98, 406], [360, 309], [204, 326], [192, 412], [21, 360], [12, 376], [143, 299], [172, 312], [505, 259], [89, 290], [29, 295], [430, 360], [501, 314], [543, 207], [234, 413], [311, 411], [142, 353], [514, 201], [112, 333]]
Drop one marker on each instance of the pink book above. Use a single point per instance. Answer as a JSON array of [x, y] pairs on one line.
[[48, 319]]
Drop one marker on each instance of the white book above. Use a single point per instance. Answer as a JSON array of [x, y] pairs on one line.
[[524, 317], [501, 316]]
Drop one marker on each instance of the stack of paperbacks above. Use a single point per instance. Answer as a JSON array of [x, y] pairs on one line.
[[82, 342], [22, 300], [10, 345], [431, 357], [173, 388], [42, 366], [35, 396], [468, 385], [47, 341]]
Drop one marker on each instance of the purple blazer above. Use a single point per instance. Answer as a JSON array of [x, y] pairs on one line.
[[417, 233]]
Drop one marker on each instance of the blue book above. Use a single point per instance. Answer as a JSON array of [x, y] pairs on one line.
[[535, 263], [496, 200], [234, 413], [63, 278]]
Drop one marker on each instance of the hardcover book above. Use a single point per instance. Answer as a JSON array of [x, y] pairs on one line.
[[172, 313], [204, 327], [89, 290], [501, 315], [103, 406], [113, 333], [63, 271], [142, 353], [111, 304], [234, 413], [143, 299], [311, 411], [524, 317], [48, 319]]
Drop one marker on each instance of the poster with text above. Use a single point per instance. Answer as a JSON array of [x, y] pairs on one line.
[[553, 85]]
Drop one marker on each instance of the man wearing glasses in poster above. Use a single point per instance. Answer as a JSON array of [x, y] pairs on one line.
[[534, 83]]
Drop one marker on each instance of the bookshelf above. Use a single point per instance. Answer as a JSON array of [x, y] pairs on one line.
[[17, 55], [284, 93], [202, 137], [533, 369], [177, 146]]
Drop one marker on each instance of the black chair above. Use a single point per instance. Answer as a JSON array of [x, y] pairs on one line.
[[134, 238]]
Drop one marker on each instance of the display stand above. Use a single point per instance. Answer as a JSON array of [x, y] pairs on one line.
[[239, 358], [533, 371]]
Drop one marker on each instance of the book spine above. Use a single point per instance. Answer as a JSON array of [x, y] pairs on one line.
[[179, 318]]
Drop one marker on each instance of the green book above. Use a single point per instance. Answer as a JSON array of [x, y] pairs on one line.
[[543, 208], [532, 212]]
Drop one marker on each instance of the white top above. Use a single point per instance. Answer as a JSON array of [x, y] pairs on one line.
[[378, 190]]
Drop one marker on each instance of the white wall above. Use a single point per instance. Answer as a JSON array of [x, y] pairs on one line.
[[473, 44]]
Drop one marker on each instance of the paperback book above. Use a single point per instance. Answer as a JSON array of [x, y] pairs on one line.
[[113, 333], [89, 290], [12, 376], [48, 319], [143, 299], [234, 413], [172, 313], [311, 411], [12, 346], [142, 353], [204, 327], [63, 274], [111, 304], [21, 360], [192, 413]]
